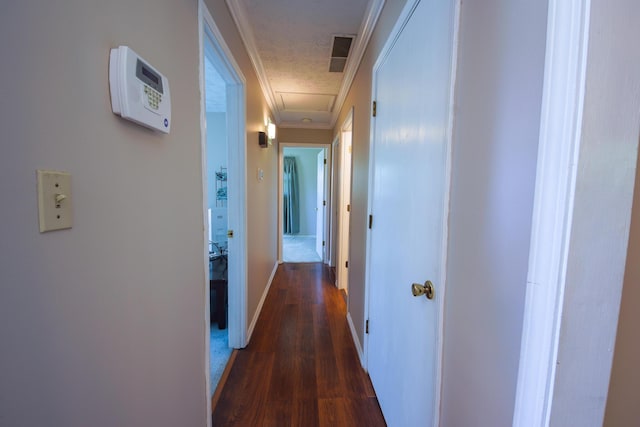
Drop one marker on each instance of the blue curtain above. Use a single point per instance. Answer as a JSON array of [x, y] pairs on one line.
[[290, 191]]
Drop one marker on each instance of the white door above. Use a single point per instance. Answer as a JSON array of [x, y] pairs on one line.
[[344, 211], [407, 241], [320, 205], [334, 205]]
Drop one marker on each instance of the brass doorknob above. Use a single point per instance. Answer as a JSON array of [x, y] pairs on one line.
[[427, 289]]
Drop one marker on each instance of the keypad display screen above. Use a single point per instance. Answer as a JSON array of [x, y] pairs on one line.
[[148, 76]]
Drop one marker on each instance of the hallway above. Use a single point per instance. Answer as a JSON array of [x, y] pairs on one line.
[[301, 367]]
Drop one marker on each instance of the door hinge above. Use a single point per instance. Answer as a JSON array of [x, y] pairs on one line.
[[325, 161], [324, 203], [348, 208], [375, 107], [346, 264], [230, 233], [366, 327], [370, 221], [323, 243]]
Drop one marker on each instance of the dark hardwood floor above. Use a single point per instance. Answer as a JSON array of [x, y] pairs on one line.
[[301, 367]]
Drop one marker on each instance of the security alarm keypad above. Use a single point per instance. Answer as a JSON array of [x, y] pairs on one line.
[[138, 92]]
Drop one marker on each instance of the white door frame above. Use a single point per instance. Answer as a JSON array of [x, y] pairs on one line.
[[281, 147], [402, 20], [561, 121], [236, 135], [321, 204]]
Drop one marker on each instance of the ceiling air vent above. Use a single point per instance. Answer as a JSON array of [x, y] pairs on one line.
[[339, 53]]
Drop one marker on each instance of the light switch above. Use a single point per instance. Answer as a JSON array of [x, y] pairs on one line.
[[54, 200], [260, 174]]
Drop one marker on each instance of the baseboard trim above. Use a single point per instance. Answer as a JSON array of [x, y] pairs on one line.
[[254, 321], [223, 380], [356, 341]]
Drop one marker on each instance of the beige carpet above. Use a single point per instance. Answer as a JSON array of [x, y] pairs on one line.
[[296, 248], [219, 354]]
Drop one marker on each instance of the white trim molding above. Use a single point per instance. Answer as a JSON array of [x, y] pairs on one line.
[[442, 297], [240, 17], [356, 341], [560, 135], [202, 9]]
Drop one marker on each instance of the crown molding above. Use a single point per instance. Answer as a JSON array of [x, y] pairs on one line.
[[239, 14]]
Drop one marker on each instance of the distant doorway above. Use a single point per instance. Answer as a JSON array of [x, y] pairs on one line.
[[303, 183]]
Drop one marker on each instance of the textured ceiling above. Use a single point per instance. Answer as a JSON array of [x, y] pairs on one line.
[[290, 41], [294, 40]]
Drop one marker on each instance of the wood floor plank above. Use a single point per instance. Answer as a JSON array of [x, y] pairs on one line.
[[305, 413], [301, 367], [305, 341], [331, 412], [306, 380], [243, 400]]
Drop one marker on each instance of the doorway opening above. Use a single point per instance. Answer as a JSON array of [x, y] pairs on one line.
[[303, 202], [224, 189], [216, 161]]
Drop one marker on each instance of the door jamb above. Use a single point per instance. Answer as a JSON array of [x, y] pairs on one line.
[[562, 109]]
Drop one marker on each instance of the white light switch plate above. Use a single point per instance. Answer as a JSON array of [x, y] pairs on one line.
[[54, 200]]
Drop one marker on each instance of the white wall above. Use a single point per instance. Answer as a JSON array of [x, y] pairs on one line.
[[102, 324], [496, 127], [217, 158], [304, 136], [107, 319], [216, 152], [307, 166]]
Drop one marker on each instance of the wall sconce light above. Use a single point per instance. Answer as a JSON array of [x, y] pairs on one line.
[[262, 140], [266, 138], [271, 131]]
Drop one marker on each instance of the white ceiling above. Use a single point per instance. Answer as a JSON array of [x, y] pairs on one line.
[[289, 42]]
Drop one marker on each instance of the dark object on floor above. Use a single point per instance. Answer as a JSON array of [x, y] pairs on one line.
[[218, 302]]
